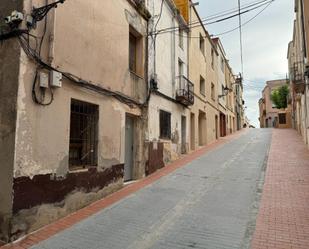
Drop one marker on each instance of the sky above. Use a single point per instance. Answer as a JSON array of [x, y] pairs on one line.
[[265, 43]]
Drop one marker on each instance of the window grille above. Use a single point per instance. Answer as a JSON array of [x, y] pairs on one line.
[[165, 125], [83, 134]]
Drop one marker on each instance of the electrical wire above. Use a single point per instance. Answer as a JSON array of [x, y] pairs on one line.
[[198, 23], [245, 23], [228, 31], [203, 21], [35, 55], [230, 11], [240, 39], [36, 99], [154, 37], [72, 78]]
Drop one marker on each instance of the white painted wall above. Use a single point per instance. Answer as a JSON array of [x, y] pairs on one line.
[[168, 53]]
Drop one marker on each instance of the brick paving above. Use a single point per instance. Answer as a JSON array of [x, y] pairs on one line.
[[66, 222], [283, 219]]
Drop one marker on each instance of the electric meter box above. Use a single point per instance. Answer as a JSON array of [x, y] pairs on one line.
[[43, 77], [55, 79]]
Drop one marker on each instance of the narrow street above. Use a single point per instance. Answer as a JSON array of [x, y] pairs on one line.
[[209, 203]]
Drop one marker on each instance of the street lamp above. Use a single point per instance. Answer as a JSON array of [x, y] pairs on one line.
[[226, 91]]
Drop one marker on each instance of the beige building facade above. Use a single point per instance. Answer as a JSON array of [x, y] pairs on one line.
[[204, 122], [75, 123]]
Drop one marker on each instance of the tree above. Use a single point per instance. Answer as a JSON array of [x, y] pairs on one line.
[[279, 97]]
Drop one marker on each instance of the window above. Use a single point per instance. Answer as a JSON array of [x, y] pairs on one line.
[[132, 52], [181, 33], [83, 135], [165, 125], [202, 86], [212, 58], [202, 44], [213, 91], [135, 52], [282, 118]]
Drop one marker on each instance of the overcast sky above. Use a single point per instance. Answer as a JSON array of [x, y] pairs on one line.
[[265, 42]]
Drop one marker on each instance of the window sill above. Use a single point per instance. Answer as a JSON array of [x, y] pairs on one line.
[[80, 169]]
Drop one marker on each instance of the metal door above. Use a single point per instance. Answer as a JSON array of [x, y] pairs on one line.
[[129, 141]]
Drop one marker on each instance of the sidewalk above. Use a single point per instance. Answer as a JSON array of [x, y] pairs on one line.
[[283, 219], [64, 223]]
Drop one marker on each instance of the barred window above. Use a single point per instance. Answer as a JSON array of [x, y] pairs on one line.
[[83, 135], [165, 125]]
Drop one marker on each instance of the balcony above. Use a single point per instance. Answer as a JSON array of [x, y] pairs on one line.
[[297, 77], [184, 91]]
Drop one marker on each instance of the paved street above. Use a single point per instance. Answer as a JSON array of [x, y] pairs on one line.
[[209, 203], [283, 220]]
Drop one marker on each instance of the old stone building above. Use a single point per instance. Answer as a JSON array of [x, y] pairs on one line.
[[72, 106]]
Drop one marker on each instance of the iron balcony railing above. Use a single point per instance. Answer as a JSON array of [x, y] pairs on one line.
[[184, 91], [297, 75]]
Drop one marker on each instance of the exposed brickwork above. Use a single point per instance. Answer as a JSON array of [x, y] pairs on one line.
[[72, 219], [283, 219]]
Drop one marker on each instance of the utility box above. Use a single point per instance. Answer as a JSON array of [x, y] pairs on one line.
[[43, 77], [55, 79]]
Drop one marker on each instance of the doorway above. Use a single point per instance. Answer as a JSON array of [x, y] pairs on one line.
[[222, 125], [183, 135], [129, 148], [202, 128], [216, 125], [192, 137]]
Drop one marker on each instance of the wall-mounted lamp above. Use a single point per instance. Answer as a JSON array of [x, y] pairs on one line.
[[226, 91]]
